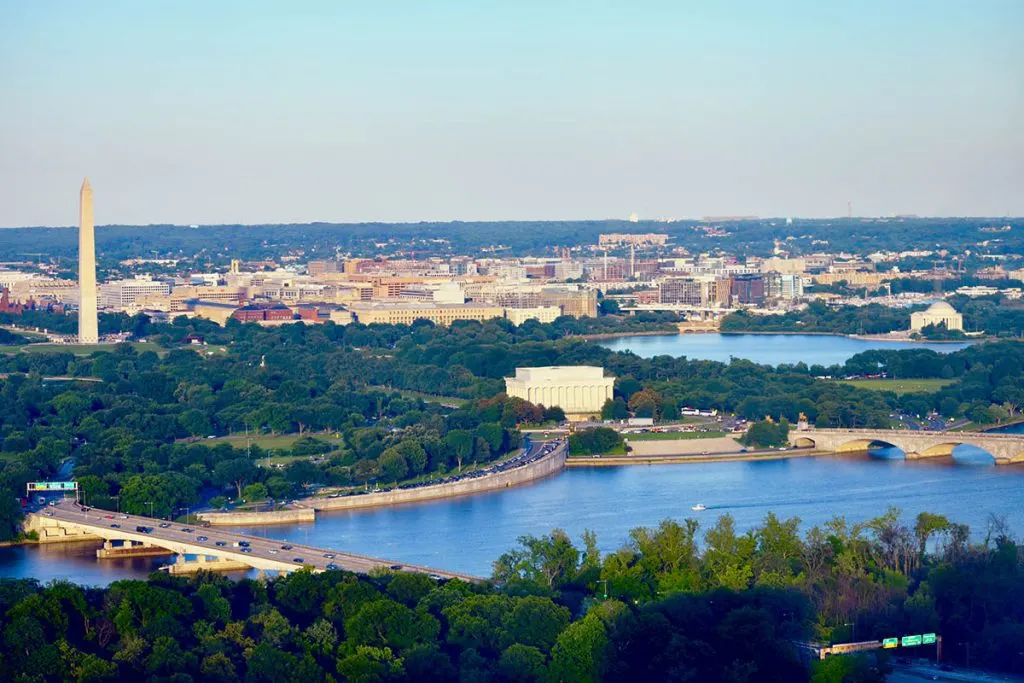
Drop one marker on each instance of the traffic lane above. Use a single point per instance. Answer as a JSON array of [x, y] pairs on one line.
[[915, 673], [312, 556]]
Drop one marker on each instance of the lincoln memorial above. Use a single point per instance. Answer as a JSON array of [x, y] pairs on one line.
[[577, 389]]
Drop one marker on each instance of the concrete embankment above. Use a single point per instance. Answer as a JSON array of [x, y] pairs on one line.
[[546, 466], [619, 460], [50, 531], [722, 444], [538, 469], [244, 517]]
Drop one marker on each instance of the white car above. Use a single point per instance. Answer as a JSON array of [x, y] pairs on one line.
[[272, 551]]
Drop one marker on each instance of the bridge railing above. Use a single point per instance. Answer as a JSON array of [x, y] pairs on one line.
[[909, 432]]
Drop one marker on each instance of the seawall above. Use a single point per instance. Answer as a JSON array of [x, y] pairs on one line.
[[538, 469], [619, 460], [270, 517]]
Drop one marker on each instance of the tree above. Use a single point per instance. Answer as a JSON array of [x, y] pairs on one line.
[[234, 472], [767, 434], [646, 403], [614, 409], [254, 492], [536, 622], [393, 466], [594, 440], [521, 664], [461, 442], [579, 652], [371, 665]]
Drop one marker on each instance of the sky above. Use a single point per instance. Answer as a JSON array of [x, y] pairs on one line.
[[403, 110]]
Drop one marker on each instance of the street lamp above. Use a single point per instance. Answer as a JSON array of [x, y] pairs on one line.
[[118, 499], [150, 508], [605, 582]]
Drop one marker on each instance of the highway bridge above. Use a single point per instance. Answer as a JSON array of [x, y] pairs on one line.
[[197, 547], [1007, 449]]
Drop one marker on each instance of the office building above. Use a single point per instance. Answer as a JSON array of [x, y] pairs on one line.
[[123, 295]]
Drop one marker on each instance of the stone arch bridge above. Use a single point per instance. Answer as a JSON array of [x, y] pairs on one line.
[[1007, 449]]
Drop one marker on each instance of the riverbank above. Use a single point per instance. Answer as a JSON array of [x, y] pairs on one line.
[[544, 467], [308, 509], [616, 335], [622, 460]]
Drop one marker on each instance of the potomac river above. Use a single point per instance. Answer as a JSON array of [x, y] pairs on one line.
[[467, 534], [767, 349]]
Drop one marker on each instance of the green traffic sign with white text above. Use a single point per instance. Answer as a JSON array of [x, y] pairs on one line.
[[928, 638], [890, 643], [911, 641]]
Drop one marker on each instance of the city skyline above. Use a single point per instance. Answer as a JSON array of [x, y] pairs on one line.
[[254, 115]]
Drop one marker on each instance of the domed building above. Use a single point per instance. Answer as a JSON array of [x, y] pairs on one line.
[[938, 313]]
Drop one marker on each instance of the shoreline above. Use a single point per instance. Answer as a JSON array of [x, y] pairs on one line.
[[313, 507], [684, 459], [615, 335], [848, 335]]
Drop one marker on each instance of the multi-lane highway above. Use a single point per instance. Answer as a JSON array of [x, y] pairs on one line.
[[255, 551]]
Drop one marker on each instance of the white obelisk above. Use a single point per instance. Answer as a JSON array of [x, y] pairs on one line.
[[88, 326]]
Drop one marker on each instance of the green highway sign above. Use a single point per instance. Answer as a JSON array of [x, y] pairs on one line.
[[911, 641], [53, 486], [889, 643], [928, 639]]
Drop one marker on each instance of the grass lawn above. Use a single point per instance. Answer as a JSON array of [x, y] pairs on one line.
[[672, 436], [78, 349], [267, 441], [899, 386], [447, 400]]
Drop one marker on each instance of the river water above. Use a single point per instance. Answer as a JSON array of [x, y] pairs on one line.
[[769, 349], [467, 534]]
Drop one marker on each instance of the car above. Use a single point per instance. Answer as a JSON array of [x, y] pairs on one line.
[[329, 556], [115, 525], [298, 560], [272, 551], [395, 567], [286, 547], [86, 508], [436, 577], [186, 530], [124, 516], [202, 538], [246, 550], [108, 516], [141, 529], [164, 525], [220, 544], [332, 566]]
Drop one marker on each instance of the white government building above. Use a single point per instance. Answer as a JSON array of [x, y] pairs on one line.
[[577, 389], [939, 312]]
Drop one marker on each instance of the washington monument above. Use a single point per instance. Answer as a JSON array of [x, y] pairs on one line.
[[88, 327]]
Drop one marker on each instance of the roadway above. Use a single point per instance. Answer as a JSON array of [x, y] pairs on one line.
[[915, 673], [261, 553]]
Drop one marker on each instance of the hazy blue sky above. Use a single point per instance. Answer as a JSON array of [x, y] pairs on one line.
[[247, 111]]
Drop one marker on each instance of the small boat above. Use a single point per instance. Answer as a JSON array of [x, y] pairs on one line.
[[699, 507]]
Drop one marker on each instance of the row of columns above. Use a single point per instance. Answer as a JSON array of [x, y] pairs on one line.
[[570, 397]]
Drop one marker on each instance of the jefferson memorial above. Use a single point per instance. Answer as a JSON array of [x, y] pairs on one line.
[[579, 390], [938, 313]]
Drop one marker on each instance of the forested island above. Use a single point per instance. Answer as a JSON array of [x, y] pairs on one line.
[[675, 603]]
